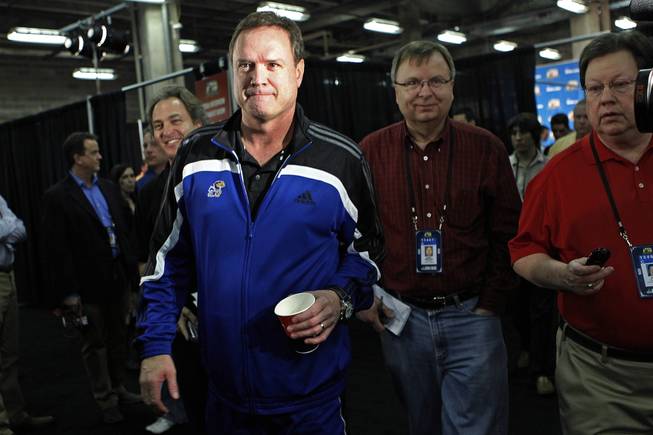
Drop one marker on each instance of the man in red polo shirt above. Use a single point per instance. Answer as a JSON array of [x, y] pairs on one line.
[[599, 193], [449, 204]]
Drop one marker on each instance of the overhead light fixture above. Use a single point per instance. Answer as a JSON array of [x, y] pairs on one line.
[[383, 26], [78, 46], [550, 53], [575, 6], [97, 34], [625, 23], [452, 37], [109, 39], [95, 74], [148, 1], [505, 46], [36, 36], [188, 46], [295, 13], [351, 57]]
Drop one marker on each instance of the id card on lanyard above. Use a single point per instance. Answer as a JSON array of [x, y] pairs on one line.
[[428, 241], [429, 251], [641, 255]]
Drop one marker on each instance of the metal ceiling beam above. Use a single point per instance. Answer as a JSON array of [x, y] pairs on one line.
[[347, 12], [515, 23], [50, 10]]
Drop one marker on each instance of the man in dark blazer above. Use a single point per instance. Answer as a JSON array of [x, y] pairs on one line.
[[87, 258]]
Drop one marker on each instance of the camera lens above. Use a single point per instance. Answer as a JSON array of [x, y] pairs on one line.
[[643, 101]]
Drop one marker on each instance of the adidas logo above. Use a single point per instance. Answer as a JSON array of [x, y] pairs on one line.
[[305, 198]]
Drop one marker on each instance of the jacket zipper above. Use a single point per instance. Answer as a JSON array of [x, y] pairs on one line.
[[250, 235], [244, 278]]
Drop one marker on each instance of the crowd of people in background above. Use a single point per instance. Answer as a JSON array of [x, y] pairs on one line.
[[185, 260]]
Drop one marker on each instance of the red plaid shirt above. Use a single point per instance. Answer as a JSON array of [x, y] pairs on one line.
[[481, 216]]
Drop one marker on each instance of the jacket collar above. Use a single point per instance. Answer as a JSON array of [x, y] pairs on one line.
[[74, 189], [228, 134]]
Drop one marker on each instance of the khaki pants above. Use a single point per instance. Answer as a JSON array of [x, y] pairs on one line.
[[608, 397], [12, 403]]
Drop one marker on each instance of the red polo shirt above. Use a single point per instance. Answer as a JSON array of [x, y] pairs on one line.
[[481, 217], [566, 214]]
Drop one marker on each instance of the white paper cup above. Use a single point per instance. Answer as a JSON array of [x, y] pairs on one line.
[[288, 308]]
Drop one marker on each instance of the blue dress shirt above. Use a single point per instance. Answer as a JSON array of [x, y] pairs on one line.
[[99, 203]]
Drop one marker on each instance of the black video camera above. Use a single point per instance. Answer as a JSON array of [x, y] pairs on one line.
[[643, 101], [642, 12]]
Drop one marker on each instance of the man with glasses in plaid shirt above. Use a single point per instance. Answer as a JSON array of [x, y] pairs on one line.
[[446, 189]]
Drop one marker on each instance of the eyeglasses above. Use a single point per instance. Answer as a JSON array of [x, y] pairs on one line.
[[620, 86], [416, 85]]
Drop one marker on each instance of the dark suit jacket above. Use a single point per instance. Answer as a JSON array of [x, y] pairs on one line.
[[77, 254], [148, 204]]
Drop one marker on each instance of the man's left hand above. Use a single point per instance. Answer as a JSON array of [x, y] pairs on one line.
[[316, 323]]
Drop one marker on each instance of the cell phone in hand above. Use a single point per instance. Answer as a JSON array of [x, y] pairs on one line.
[[598, 257]]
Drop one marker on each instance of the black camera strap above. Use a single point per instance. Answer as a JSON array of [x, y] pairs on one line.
[[608, 191]]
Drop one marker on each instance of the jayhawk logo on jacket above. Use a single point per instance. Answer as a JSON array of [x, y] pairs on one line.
[[215, 190]]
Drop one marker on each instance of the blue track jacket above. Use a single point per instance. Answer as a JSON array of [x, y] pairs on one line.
[[316, 227]]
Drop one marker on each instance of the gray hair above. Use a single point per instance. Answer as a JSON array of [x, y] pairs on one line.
[[420, 51]]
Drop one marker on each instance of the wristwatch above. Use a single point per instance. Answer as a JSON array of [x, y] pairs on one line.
[[346, 306]]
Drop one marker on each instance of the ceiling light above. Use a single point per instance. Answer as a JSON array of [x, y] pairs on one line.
[[36, 36], [575, 6], [505, 46], [295, 13], [78, 46], [351, 57], [148, 1], [95, 74], [550, 53], [188, 46], [383, 26], [452, 37], [109, 39], [625, 23], [98, 34]]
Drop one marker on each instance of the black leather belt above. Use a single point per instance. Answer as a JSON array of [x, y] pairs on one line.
[[6, 269], [436, 302], [603, 349]]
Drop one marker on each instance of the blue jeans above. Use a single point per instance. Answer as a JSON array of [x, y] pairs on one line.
[[450, 371]]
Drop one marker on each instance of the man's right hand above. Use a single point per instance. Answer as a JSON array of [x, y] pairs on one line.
[[583, 280], [154, 371], [575, 276]]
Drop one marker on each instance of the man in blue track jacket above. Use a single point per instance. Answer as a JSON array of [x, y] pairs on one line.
[[259, 207]]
